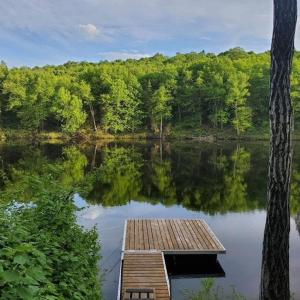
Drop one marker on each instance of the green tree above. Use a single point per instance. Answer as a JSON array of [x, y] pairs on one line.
[[237, 98], [3, 75], [30, 94], [121, 108], [161, 108], [69, 110]]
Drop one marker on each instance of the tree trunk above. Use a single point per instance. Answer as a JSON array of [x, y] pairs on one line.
[[93, 116], [161, 127], [236, 117], [179, 113], [275, 256]]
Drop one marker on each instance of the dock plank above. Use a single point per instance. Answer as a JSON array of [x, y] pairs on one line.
[[171, 236], [145, 243], [143, 274]]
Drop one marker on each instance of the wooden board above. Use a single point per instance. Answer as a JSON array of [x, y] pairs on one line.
[[147, 240], [145, 271], [175, 236]]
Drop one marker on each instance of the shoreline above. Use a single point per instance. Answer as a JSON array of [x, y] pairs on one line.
[[88, 136]]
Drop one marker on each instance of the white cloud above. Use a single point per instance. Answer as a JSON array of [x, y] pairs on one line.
[[90, 30], [123, 55], [77, 28], [139, 19], [92, 212]]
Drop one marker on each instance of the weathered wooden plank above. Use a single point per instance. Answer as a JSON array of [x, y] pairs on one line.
[[180, 244], [212, 235], [171, 235], [201, 236], [167, 232], [146, 237], [143, 275], [141, 234], [207, 235], [199, 242], [150, 235], [180, 235], [129, 235]]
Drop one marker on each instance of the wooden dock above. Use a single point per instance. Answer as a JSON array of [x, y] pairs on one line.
[[143, 273]]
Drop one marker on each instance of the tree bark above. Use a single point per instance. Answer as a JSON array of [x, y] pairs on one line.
[[275, 256], [236, 117], [93, 116], [179, 113], [161, 127], [93, 163]]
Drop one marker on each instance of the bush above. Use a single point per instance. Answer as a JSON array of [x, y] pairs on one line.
[[45, 254]]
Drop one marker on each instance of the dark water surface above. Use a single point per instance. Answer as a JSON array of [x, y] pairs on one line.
[[223, 183]]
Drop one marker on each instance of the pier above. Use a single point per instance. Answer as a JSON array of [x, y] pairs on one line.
[[143, 272]]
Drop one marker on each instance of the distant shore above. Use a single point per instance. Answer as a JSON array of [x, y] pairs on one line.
[[208, 135]]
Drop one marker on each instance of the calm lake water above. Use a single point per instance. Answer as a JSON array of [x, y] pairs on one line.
[[223, 183]]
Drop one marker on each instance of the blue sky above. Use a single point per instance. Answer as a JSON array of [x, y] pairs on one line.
[[39, 32]]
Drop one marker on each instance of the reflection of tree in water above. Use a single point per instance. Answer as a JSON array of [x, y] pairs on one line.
[[208, 178], [118, 179], [73, 166], [297, 221], [36, 173], [221, 186], [295, 196], [235, 186], [162, 180], [295, 191]]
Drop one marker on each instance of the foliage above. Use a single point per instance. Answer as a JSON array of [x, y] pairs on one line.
[[202, 176], [118, 179], [44, 254], [121, 108], [209, 291], [68, 110], [229, 90], [161, 108]]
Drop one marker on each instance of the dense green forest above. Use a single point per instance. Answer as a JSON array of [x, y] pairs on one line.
[[157, 94]]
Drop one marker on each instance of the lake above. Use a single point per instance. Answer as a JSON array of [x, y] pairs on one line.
[[223, 183]]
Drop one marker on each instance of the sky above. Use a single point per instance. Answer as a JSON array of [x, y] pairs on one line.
[[40, 32]]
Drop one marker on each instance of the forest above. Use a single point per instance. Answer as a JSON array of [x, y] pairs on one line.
[[155, 95]]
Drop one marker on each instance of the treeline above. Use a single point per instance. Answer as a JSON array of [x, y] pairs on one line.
[[229, 90]]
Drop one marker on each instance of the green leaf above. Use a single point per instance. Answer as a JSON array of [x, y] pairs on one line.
[[26, 293], [37, 273], [11, 276], [21, 259]]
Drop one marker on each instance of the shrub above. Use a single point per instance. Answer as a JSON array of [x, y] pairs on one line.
[[45, 254]]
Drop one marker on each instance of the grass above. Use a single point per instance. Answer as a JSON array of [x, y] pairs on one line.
[[209, 291]]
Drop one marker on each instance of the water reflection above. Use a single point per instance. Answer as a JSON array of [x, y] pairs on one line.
[[210, 178], [223, 183]]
